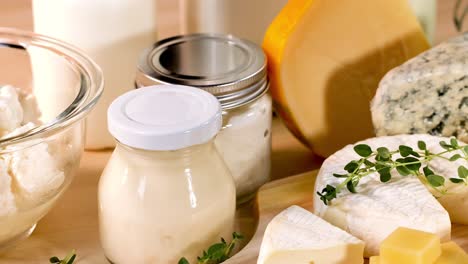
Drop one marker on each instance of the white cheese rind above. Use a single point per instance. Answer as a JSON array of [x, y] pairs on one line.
[[455, 201], [379, 208], [296, 236], [427, 94]]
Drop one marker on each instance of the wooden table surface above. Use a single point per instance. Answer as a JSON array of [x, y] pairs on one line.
[[78, 206]]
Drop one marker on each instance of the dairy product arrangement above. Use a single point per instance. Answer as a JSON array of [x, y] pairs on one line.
[[28, 176], [399, 192], [364, 90]]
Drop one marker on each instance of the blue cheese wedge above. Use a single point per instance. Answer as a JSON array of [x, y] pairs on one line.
[[427, 94], [296, 236], [377, 209]]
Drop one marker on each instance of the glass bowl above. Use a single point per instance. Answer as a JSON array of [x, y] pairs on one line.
[[38, 161]]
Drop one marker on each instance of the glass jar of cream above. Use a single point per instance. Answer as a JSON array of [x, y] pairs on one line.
[[165, 193], [234, 70]]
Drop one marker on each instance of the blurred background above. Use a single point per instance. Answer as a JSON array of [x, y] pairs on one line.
[[18, 13]]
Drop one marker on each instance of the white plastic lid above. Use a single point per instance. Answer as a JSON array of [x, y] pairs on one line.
[[164, 117]]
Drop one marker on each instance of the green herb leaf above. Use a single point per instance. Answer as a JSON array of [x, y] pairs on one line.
[[383, 154], [237, 236], [351, 187], [369, 164], [436, 180], [427, 171], [412, 164], [363, 150], [69, 259], [218, 252], [385, 175], [454, 142], [422, 145], [183, 261], [455, 157], [405, 151], [462, 172], [340, 175], [403, 170], [456, 180], [54, 260], [351, 166], [445, 145], [328, 193]]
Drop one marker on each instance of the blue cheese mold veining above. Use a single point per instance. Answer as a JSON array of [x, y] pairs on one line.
[[427, 94]]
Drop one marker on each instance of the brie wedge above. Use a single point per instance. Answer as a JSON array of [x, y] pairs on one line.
[[377, 208], [296, 236]]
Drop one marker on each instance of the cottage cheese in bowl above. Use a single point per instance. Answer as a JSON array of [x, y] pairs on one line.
[[30, 176]]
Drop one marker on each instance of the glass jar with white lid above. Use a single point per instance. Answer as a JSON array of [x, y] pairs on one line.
[[165, 193], [234, 70]]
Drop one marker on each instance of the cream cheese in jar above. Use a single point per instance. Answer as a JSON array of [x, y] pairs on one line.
[[165, 193], [234, 70]]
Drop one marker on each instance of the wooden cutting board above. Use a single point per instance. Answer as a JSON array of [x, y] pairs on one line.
[[276, 196]]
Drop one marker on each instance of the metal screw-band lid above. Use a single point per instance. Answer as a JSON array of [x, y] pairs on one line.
[[232, 69]]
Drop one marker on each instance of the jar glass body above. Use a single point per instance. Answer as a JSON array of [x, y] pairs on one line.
[[156, 207], [245, 144]]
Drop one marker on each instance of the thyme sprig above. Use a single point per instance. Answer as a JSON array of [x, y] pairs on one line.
[[218, 252], [69, 259], [382, 161]]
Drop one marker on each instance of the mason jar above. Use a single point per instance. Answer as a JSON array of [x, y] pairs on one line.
[[233, 70], [166, 192]]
